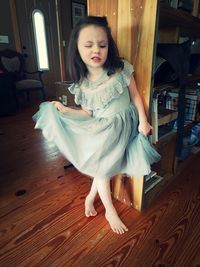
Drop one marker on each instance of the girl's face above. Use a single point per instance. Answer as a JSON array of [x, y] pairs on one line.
[[93, 46]]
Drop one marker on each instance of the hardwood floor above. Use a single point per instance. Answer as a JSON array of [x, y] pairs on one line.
[[46, 225]]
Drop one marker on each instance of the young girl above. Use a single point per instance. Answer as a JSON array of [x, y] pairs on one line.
[[107, 135]]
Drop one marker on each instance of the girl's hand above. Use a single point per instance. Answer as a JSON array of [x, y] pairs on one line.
[[60, 107], [144, 127]]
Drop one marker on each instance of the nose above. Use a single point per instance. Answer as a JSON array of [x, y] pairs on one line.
[[96, 49]]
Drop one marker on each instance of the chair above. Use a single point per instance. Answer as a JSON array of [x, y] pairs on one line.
[[13, 62]]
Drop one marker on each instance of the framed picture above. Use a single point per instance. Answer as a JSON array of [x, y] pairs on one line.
[[78, 11]]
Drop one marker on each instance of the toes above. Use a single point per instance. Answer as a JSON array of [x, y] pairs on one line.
[[125, 229], [123, 226], [87, 214], [115, 230], [93, 213], [120, 230], [115, 223]]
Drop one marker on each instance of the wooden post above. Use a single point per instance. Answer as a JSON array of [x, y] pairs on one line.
[[129, 190], [133, 28]]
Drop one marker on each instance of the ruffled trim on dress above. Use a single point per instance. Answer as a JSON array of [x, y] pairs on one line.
[[99, 99], [99, 94], [127, 72]]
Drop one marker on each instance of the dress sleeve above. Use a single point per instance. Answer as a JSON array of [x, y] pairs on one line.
[[72, 88], [75, 90], [127, 72]]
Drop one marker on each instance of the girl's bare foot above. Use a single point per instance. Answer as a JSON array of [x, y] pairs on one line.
[[89, 207], [115, 222]]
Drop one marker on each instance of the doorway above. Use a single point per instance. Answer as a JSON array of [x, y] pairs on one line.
[[24, 10]]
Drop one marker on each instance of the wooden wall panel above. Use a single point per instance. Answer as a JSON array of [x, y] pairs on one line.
[[133, 27], [105, 8], [125, 22], [145, 50], [129, 18]]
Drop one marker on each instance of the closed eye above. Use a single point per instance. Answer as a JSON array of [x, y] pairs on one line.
[[100, 45]]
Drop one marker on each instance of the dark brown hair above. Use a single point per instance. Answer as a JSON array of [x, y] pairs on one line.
[[76, 66]]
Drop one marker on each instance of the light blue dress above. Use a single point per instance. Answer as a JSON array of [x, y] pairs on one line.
[[108, 142]]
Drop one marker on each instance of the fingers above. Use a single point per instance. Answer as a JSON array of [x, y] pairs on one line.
[[145, 129], [57, 105]]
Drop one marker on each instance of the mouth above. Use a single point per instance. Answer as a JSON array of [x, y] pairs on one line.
[[96, 59]]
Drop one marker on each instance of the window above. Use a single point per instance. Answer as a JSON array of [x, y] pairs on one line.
[[40, 40]]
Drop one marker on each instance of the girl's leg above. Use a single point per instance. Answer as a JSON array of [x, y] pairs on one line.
[[103, 188], [89, 201]]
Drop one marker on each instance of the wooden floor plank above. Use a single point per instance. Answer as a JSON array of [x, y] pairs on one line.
[[46, 226]]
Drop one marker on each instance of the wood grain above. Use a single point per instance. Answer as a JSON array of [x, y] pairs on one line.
[[46, 226], [105, 8]]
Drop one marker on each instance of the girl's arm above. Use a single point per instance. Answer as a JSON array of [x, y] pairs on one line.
[[68, 110], [144, 126]]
